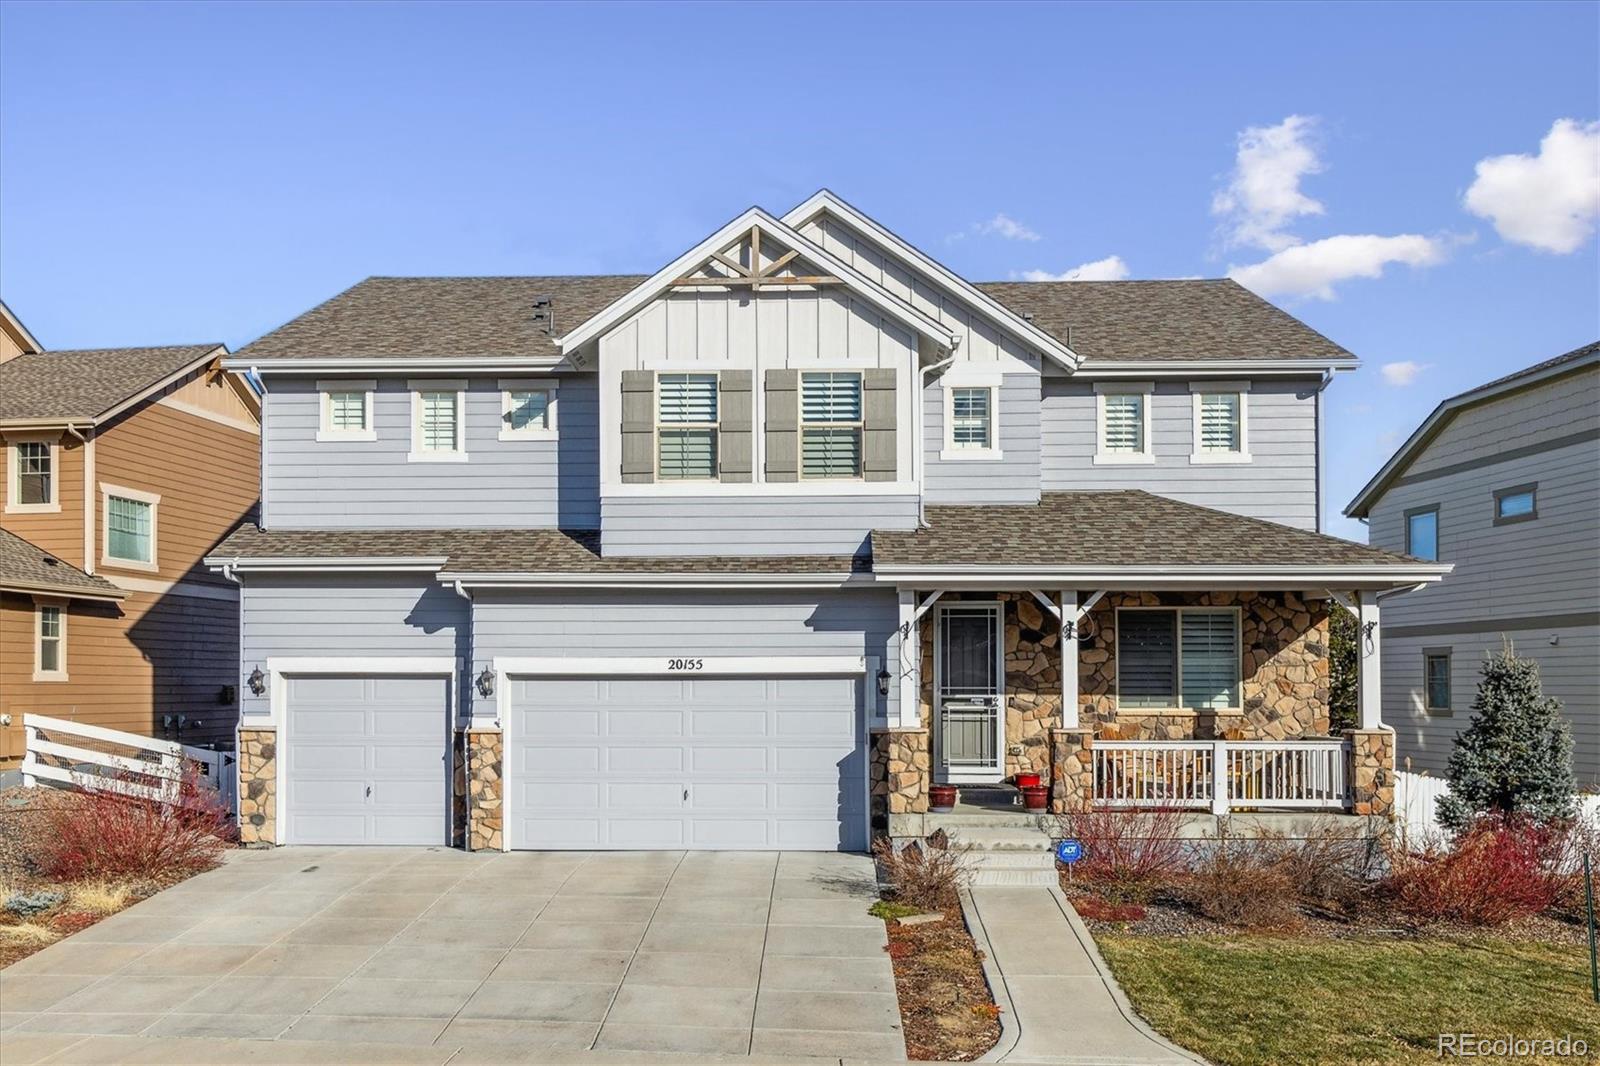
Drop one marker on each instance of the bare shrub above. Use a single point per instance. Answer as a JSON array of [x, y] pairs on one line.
[[1243, 882], [1494, 873], [1128, 855], [1330, 866], [107, 836], [922, 875]]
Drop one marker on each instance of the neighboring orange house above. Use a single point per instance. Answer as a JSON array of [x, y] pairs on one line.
[[122, 468]]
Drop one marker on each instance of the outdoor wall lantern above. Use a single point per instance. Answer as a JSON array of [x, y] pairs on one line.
[[883, 682], [257, 681], [486, 682]]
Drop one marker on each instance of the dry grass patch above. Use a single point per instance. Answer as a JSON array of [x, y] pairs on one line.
[[100, 898], [946, 1010], [30, 935]]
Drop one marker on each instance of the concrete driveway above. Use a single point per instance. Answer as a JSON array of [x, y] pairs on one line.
[[507, 957]]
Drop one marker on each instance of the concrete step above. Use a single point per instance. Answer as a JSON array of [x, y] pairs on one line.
[[1019, 819], [1014, 860], [1001, 839], [1008, 876]]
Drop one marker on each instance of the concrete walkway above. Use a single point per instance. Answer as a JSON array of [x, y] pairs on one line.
[[1063, 1005]]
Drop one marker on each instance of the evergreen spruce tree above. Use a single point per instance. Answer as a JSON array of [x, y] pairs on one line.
[[1515, 758], [1344, 669]]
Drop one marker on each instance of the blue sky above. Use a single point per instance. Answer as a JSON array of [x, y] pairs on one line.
[[190, 172]]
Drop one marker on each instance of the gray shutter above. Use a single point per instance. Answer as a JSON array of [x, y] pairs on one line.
[[878, 421], [638, 426], [783, 425], [734, 425]]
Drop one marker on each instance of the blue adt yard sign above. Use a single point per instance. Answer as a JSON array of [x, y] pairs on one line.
[[1069, 851]]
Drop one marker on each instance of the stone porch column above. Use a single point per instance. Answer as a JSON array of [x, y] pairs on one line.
[[902, 768], [481, 785], [258, 787], [1372, 772], [1071, 770]]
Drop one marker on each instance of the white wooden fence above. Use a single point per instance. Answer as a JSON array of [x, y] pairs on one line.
[[1416, 804], [1289, 774], [60, 750]]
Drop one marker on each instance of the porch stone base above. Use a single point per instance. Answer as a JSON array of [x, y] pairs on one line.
[[1372, 772], [480, 818], [1071, 770], [258, 787], [902, 765]]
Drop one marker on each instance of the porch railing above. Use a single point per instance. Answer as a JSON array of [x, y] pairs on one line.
[[1292, 774]]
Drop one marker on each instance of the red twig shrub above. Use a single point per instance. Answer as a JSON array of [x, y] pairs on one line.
[[1494, 873], [1127, 855], [107, 835]]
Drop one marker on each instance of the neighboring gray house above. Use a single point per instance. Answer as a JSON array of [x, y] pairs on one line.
[[1504, 482], [751, 552]]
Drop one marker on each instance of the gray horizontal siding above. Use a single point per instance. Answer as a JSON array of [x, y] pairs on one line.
[[1568, 670], [347, 616], [1279, 484], [748, 524], [313, 484], [1566, 406], [694, 624], [1014, 478]]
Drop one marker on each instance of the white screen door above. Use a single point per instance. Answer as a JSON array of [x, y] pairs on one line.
[[969, 684]]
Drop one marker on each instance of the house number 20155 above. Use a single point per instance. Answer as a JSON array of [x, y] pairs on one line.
[[686, 664]]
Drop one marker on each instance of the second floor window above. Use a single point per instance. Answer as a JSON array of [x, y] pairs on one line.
[[1122, 414], [1519, 503], [1436, 680], [1219, 424], [830, 425], [971, 418], [346, 410], [1422, 533], [686, 427], [130, 519], [35, 485], [438, 421]]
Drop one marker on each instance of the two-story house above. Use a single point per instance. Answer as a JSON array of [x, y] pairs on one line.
[[123, 468], [1504, 482], [751, 552]]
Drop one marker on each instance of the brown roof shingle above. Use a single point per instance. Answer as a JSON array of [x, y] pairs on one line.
[[26, 567], [1115, 528], [82, 385]]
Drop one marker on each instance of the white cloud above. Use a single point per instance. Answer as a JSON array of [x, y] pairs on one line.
[[1549, 201], [1402, 373], [1314, 269], [1003, 225], [1263, 193], [1111, 268]]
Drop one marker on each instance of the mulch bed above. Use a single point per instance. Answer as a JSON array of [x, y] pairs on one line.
[[945, 1006]]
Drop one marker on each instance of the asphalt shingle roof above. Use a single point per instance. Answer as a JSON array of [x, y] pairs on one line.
[[82, 385], [1112, 529], [382, 318], [27, 567]]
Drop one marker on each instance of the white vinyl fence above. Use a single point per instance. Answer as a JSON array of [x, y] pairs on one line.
[[94, 758], [1416, 804]]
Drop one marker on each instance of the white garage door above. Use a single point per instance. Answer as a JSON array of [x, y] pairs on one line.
[[653, 762], [367, 760]]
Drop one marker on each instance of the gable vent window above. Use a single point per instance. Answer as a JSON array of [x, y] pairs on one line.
[[687, 425], [1185, 659], [830, 425]]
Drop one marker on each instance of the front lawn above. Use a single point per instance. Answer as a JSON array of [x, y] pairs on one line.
[[1244, 999]]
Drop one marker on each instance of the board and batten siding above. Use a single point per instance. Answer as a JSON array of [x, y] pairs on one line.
[[592, 624], [1279, 484], [343, 615], [312, 484], [1014, 477], [738, 524]]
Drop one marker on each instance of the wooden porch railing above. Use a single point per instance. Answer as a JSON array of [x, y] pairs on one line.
[[1289, 774], [95, 758]]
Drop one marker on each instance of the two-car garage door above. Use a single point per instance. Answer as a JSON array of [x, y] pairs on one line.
[[687, 762]]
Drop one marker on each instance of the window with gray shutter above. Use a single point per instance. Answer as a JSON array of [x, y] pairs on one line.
[[830, 424], [783, 418], [638, 426], [1147, 658], [736, 421], [686, 433]]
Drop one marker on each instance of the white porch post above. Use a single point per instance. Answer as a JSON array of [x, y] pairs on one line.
[[1368, 637], [1069, 658], [910, 660]]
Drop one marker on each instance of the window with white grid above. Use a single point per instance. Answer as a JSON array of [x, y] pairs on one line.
[[130, 528], [347, 411], [972, 418], [1219, 422], [438, 432], [1122, 416], [830, 424], [35, 483], [50, 653], [686, 427]]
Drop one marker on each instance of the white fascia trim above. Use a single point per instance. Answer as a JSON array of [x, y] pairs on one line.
[[325, 564], [398, 365], [1308, 368], [1170, 577], [163, 384], [648, 289], [655, 581], [825, 201], [687, 665], [817, 488]]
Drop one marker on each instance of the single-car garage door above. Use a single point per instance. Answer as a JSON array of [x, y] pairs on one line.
[[701, 763], [367, 760]]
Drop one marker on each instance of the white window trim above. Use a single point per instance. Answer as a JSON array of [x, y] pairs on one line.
[[1198, 455], [1102, 389], [107, 491], [715, 427], [1238, 645], [14, 474], [801, 425], [510, 385], [325, 428], [39, 673], [418, 454], [951, 453]]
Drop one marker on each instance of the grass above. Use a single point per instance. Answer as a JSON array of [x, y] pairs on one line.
[[889, 910], [27, 935], [99, 898], [1260, 999]]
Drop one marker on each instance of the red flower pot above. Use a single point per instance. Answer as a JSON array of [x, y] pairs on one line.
[[941, 798], [1036, 798], [1029, 780]]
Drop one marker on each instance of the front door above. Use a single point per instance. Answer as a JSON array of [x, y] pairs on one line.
[[968, 690]]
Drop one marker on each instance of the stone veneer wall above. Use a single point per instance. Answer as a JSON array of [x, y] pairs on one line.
[[1284, 689], [1071, 770], [258, 787], [479, 793], [901, 773], [1372, 772]]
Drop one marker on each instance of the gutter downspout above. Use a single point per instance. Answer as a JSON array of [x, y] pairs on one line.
[[918, 454], [238, 673], [466, 749]]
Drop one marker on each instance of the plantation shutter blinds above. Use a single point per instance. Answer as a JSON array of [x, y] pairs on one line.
[[1219, 422], [830, 416], [783, 419], [347, 410], [128, 529], [1147, 668], [736, 420], [439, 415], [687, 435], [969, 418], [1124, 422], [1210, 660], [878, 425], [638, 426]]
